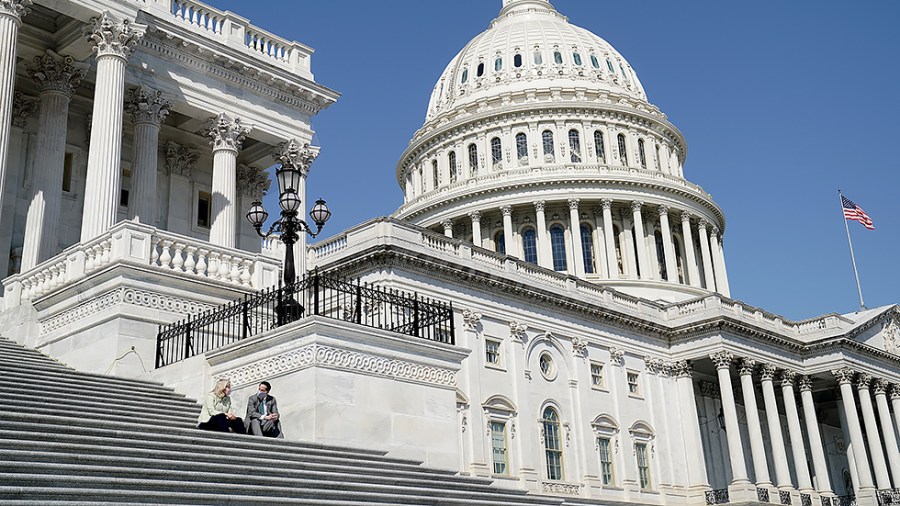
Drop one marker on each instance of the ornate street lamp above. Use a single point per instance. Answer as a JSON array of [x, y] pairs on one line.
[[289, 227]]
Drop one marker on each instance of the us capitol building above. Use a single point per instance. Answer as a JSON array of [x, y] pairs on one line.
[[595, 352]]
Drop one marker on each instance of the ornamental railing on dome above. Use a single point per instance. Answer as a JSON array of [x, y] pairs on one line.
[[889, 497], [718, 496], [316, 294]]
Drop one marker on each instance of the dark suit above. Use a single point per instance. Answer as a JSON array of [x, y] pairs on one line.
[[255, 424]]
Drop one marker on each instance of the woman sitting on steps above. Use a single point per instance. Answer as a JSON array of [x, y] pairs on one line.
[[216, 412]]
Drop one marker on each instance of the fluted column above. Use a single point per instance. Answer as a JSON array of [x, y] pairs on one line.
[[693, 274], [693, 446], [668, 246], [845, 379], [626, 245], [708, 273], [820, 464], [722, 361], [895, 403], [148, 110], [227, 136], [754, 428], [113, 41], [475, 216], [882, 479], [508, 236], [543, 243], [879, 387], [640, 240], [609, 239], [804, 484], [57, 77], [575, 230], [11, 13], [448, 227], [779, 457], [600, 244], [719, 257]]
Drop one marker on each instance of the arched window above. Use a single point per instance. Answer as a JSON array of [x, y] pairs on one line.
[[522, 148], [576, 58], [473, 158], [609, 65], [465, 76], [451, 158], [558, 246], [552, 446], [496, 151], [517, 60], [599, 147], [547, 138], [557, 57], [529, 245], [480, 69], [500, 242], [587, 248], [538, 58], [436, 175], [623, 153], [575, 145], [595, 62], [661, 255], [641, 153], [624, 74], [498, 64]]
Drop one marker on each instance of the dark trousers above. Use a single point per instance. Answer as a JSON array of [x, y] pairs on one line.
[[221, 423]]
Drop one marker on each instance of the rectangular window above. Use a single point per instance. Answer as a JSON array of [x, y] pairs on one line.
[[492, 352], [125, 190], [67, 172], [634, 387], [498, 447], [643, 463], [606, 465], [204, 209], [597, 376]]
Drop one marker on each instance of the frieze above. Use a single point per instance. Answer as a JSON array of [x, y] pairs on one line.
[[890, 335], [552, 487]]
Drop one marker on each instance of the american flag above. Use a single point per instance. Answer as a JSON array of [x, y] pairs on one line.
[[855, 213]]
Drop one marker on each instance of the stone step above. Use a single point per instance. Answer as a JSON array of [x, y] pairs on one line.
[[66, 384], [15, 359], [15, 398], [183, 419]]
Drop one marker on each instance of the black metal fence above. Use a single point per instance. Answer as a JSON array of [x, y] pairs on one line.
[[889, 497], [316, 294], [718, 496]]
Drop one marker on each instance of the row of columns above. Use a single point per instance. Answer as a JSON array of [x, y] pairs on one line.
[[715, 277]]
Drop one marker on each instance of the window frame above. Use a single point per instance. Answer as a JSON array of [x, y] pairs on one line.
[[600, 146], [551, 430], [496, 152], [557, 241], [642, 455], [529, 245], [602, 384], [498, 364], [575, 146], [522, 148], [637, 391], [492, 423]]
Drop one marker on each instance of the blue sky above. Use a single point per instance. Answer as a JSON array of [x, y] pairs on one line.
[[782, 103]]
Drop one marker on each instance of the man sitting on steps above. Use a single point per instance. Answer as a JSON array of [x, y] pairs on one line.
[[262, 413]]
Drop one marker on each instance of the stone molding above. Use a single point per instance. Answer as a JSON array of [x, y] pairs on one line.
[[580, 346], [252, 182], [55, 73], [113, 38], [23, 108], [147, 106], [337, 358], [15, 8], [552, 487], [226, 133], [617, 355], [181, 160], [471, 319]]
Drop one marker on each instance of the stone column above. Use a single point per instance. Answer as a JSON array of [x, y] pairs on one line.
[[719, 258], [640, 240], [845, 379], [148, 110], [804, 484], [708, 273], [508, 236], [302, 158], [895, 403], [543, 242], [575, 230], [448, 227], [722, 361], [609, 239], [57, 77], [776, 437], [227, 136], [754, 428], [693, 274], [693, 446], [11, 13], [475, 216], [113, 41], [600, 244], [820, 464], [626, 244], [882, 479], [668, 245], [879, 387]]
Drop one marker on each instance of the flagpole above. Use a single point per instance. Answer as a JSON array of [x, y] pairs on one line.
[[862, 305]]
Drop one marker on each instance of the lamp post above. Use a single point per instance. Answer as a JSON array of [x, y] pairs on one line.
[[289, 227]]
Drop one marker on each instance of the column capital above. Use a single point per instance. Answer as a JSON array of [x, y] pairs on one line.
[[15, 8], [226, 133], [714, 231], [863, 380], [844, 375], [636, 205], [111, 37], [23, 108], [805, 383], [787, 377], [686, 216], [55, 73], [663, 210], [702, 223], [682, 369], [180, 160], [293, 154], [880, 386], [767, 372], [746, 366], [722, 359], [539, 205], [606, 203], [252, 182], [147, 106], [573, 203], [506, 210], [475, 216], [895, 391], [447, 224]]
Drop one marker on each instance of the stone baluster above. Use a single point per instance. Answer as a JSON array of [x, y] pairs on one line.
[[154, 250], [234, 275], [148, 110], [776, 436], [820, 464], [722, 361], [178, 257], [105, 250], [224, 267], [879, 388], [845, 377], [754, 428], [227, 136], [189, 262], [212, 269], [693, 273], [804, 483], [11, 13], [475, 216], [879, 465], [165, 258], [246, 276], [202, 255]]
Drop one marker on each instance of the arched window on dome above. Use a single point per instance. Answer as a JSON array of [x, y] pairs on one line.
[[575, 146], [576, 58], [587, 248], [435, 173], [538, 57], [451, 158], [522, 148], [558, 247], [623, 152], [473, 159], [641, 154], [517, 60], [498, 64], [599, 148], [660, 255], [480, 69], [500, 242], [496, 151], [552, 446], [557, 58], [529, 245], [547, 138], [609, 65], [465, 76], [595, 62], [624, 74], [679, 258], [617, 233]]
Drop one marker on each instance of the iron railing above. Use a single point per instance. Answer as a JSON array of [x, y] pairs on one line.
[[826, 501], [316, 294], [805, 500], [718, 496], [762, 494], [845, 500], [889, 497], [785, 497]]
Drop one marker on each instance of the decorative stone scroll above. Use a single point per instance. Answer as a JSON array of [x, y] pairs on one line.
[[252, 182], [579, 346], [656, 365], [15, 8], [147, 106], [226, 133], [552, 487], [880, 386], [113, 38], [787, 377], [52, 72], [617, 355], [180, 160], [471, 319], [767, 372], [805, 383], [517, 332], [23, 108]]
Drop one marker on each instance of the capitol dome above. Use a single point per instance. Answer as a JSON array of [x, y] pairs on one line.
[[540, 143]]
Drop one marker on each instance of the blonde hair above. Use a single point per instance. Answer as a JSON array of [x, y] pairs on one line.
[[221, 385]]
